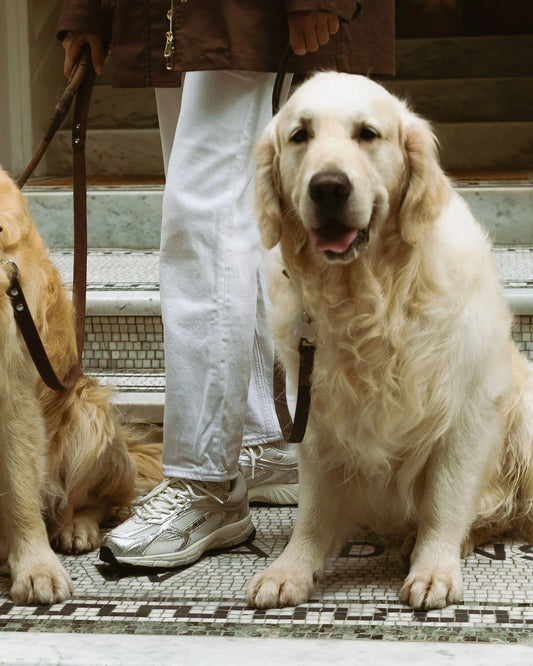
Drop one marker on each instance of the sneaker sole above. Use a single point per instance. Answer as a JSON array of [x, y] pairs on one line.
[[280, 494], [225, 537]]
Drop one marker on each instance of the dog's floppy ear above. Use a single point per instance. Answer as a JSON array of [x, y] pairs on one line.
[[267, 188], [427, 188], [14, 215]]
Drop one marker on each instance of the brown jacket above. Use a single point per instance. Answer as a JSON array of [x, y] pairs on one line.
[[230, 34]]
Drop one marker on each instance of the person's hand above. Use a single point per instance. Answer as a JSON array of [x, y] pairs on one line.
[[310, 30], [73, 43]]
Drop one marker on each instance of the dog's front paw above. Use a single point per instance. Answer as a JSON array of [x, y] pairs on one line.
[[277, 587], [79, 536], [434, 588], [42, 581]]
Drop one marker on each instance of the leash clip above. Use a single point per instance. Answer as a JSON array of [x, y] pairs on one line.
[[15, 269], [306, 329]]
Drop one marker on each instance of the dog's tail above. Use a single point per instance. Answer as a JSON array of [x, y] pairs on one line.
[[506, 505], [146, 452]]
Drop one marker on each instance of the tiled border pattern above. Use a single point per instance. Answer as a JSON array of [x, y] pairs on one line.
[[331, 615], [136, 343], [357, 598]]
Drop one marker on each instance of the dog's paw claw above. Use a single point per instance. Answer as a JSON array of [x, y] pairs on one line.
[[82, 535], [426, 590], [277, 588], [42, 585]]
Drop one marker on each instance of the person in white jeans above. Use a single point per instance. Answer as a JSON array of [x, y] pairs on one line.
[[219, 356], [223, 445]]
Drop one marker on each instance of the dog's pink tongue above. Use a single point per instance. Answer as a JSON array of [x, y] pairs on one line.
[[333, 241]]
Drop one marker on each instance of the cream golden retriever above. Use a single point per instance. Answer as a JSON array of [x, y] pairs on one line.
[[65, 462], [421, 417]]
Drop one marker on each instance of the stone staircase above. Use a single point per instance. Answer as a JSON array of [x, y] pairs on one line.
[[475, 90]]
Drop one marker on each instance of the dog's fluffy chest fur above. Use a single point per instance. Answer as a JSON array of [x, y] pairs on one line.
[[390, 377]]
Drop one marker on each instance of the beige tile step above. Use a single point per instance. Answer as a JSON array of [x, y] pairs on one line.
[[125, 283]]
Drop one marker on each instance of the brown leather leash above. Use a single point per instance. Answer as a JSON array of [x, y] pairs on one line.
[[79, 86], [293, 432]]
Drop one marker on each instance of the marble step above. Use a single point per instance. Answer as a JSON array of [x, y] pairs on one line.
[[464, 57], [465, 145], [502, 145], [122, 152], [139, 397], [122, 107], [129, 216], [468, 100]]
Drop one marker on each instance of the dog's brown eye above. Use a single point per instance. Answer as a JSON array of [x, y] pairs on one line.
[[368, 134], [299, 136]]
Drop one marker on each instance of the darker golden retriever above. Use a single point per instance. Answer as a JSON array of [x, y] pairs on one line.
[[65, 461], [422, 407]]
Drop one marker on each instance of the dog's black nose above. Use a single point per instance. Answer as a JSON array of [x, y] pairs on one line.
[[330, 188]]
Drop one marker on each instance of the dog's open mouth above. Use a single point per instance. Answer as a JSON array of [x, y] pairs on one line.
[[338, 241]]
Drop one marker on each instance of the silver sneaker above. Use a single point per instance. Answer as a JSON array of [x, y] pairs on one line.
[[179, 521], [270, 474]]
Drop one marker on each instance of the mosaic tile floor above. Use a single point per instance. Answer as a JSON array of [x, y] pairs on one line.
[[358, 597]]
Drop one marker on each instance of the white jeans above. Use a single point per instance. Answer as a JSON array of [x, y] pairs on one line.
[[218, 354]]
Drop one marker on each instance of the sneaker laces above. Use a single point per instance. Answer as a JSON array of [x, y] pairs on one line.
[[172, 494], [253, 453]]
